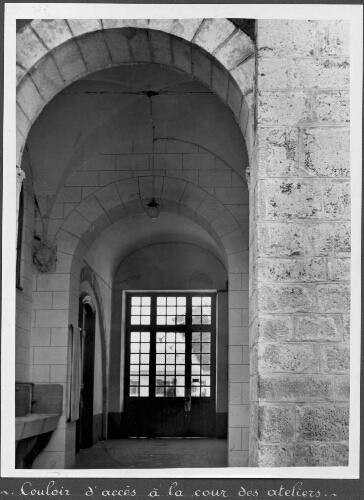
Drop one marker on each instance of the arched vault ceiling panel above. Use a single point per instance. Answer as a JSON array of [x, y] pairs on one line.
[[202, 119], [130, 234], [76, 127], [136, 78], [105, 110]]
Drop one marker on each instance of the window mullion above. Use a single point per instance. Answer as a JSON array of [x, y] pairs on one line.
[[188, 335], [152, 358]]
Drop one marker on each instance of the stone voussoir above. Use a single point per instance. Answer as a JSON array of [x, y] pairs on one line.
[[69, 61], [29, 49], [202, 66], [186, 28], [90, 208], [94, 51], [244, 78], [161, 47], [212, 33], [237, 48], [52, 32], [47, 78], [29, 99], [82, 26], [165, 25]]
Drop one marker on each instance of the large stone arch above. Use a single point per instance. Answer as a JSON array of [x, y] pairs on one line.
[[129, 197], [51, 54]]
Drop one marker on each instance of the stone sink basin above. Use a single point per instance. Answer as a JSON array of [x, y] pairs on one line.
[[33, 424]]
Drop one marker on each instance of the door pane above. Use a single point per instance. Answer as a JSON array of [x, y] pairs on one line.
[[201, 363], [140, 311], [169, 363], [171, 310], [139, 348], [201, 310]]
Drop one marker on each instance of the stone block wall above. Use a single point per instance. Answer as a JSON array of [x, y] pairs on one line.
[[55, 306], [49, 58], [300, 245]]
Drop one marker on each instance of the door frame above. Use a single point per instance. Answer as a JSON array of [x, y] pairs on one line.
[[126, 328], [87, 324]]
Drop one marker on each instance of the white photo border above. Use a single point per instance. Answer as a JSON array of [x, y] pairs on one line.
[[14, 11]]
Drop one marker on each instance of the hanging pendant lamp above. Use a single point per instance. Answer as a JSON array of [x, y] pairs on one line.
[[153, 210]]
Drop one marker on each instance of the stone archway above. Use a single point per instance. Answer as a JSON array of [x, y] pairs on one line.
[[95, 215], [51, 54], [119, 200], [212, 51]]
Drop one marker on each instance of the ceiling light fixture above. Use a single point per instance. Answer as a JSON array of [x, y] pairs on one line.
[[153, 210]]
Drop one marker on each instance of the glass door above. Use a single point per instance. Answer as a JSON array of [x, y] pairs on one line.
[[170, 365]]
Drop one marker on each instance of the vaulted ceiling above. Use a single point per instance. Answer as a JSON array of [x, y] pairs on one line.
[[103, 111]]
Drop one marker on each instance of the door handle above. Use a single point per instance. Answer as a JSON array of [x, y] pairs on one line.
[[187, 404], [187, 400]]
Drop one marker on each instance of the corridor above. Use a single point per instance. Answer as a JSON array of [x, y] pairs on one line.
[[154, 454]]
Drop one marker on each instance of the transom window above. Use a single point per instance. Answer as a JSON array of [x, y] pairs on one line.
[[170, 340]]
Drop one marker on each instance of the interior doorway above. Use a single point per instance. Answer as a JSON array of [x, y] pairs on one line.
[[84, 426], [170, 367]]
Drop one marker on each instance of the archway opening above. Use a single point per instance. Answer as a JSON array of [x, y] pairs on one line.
[[111, 157], [87, 325], [164, 259]]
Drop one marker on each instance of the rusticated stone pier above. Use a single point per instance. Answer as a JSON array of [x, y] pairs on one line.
[[299, 245]]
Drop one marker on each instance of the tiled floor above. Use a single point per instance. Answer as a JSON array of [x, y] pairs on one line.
[[154, 454]]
